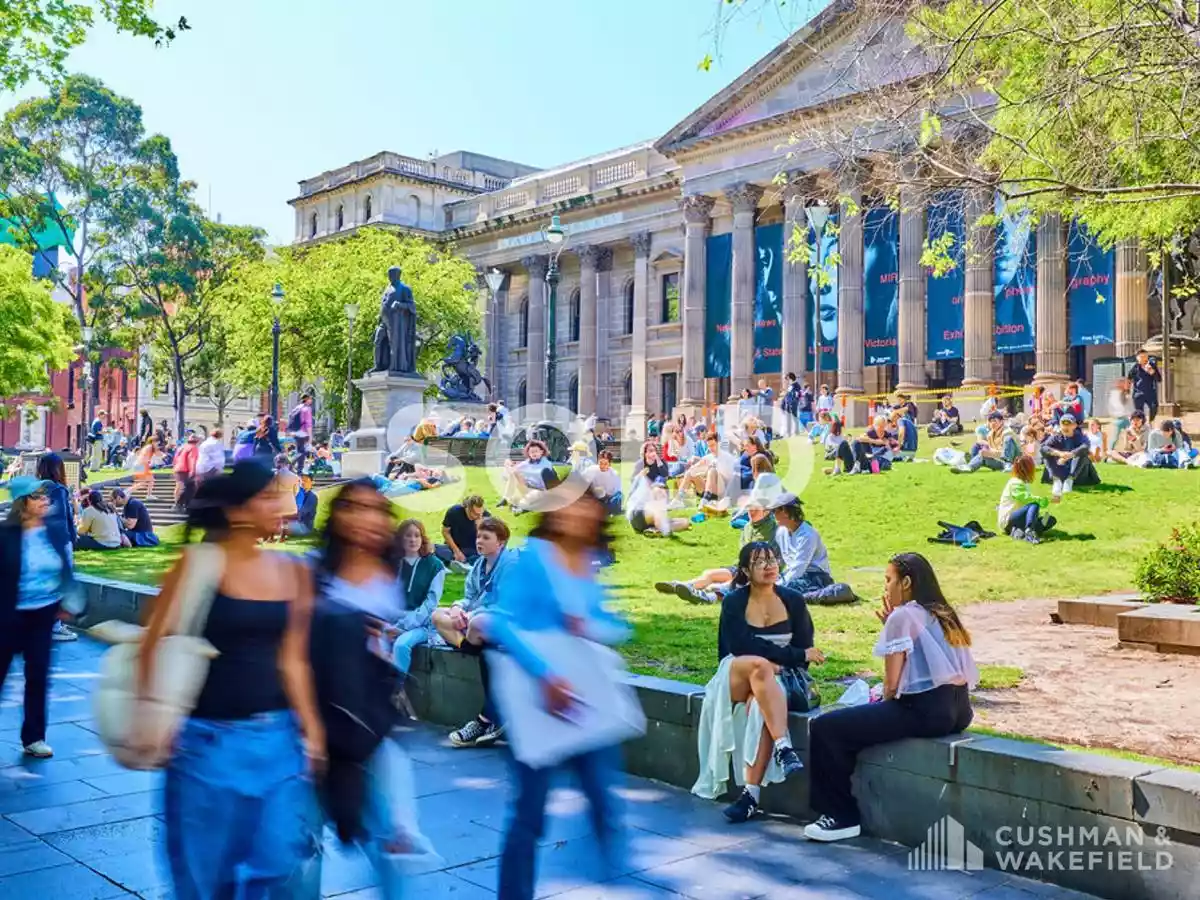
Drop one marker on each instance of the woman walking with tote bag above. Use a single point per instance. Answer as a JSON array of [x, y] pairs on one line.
[[239, 798]]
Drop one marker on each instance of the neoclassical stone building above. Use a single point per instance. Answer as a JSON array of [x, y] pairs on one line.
[[677, 288]]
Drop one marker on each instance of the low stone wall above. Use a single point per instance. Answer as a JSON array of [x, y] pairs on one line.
[[1066, 817], [1030, 808]]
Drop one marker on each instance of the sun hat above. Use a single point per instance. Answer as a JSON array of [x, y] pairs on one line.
[[766, 493]]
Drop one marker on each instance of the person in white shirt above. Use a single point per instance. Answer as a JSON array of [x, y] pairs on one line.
[[805, 559], [824, 400], [605, 483], [211, 459], [534, 473]]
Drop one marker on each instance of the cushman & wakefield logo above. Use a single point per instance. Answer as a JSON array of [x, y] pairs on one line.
[[1033, 850]]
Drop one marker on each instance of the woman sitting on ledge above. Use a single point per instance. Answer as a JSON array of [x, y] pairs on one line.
[[764, 629], [928, 673]]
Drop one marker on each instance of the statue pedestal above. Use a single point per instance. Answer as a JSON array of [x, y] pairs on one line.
[[383, 396]]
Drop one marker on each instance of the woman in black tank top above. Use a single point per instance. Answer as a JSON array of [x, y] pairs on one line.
[[240, 810]]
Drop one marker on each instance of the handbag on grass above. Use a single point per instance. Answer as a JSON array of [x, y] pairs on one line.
[[180, 668], [801, 690]]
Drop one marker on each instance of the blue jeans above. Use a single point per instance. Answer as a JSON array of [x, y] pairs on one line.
[[402, 650], [612, 505], [1027, 518], [242, 818], [599, 774]]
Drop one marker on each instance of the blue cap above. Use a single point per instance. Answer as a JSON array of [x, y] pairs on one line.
[[24, 485]]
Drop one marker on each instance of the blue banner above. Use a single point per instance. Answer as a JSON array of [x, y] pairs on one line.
[[718, 305], [1091, 274], [768, 299], [823, 316], [944, 293], [881, 286], [1015, 283]]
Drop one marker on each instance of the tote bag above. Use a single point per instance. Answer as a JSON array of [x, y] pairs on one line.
[[606, 710], [180, 669]]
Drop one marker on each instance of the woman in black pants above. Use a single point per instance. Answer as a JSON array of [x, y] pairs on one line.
[[928, 671]]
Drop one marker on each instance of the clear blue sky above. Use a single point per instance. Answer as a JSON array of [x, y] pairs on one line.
[[262, 93]]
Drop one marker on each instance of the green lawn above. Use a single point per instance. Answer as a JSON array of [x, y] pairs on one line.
[[864, 520]]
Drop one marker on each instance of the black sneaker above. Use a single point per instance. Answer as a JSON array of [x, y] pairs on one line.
[[828, 829], [491, 733], [743, 809], [1050, 523], [469, 734], [789, 761]]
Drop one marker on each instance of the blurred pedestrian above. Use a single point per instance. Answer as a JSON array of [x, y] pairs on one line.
[[239, 798], [552, 588]]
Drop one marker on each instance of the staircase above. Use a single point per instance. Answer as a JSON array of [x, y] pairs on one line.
[[162, 509]]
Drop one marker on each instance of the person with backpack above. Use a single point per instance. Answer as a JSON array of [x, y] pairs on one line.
[[790, 403], [300, 427], [35, 571], [238, 796]]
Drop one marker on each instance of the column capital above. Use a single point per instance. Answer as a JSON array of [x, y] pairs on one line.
[[697, 209], [744, 197], [641, 242], [536, 265], [799, 188], [604, 259], [589, 255], [852, 176]]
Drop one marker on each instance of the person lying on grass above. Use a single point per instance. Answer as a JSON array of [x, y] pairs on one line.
[[1019, 512]]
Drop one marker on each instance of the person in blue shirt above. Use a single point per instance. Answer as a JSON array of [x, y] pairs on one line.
[[60, 524], [553, 587], [306, 509], [34, 573]]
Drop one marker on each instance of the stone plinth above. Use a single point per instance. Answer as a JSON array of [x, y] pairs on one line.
[[1099, 611], [384, 395], [1165, 627]]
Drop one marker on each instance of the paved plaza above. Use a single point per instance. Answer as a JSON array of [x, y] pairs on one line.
[[79, 827]]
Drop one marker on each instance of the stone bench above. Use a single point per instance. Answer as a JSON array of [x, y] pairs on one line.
[[1099, 611], [1164, 627], [992, 786]]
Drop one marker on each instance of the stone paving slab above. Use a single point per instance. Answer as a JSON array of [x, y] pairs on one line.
[[79, 827]]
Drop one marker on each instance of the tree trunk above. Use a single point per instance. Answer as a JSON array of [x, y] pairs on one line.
[[180, 392]]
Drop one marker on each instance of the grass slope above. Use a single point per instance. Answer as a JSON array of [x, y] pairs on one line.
[[864, 520]]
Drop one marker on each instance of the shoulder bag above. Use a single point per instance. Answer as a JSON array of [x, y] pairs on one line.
[[178, 673], [801, 690]]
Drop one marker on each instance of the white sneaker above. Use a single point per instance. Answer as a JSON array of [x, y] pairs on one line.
[[39, 750], [1067, 485], [1017, 534], [1057, 489], [827, 829], [677, 503], [62, 633], [462, 568]]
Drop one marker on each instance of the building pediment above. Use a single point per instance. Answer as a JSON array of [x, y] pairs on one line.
[[836, 56]]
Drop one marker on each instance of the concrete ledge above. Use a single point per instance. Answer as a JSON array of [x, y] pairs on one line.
[[1170, 798], [120, 600], [1169, 627], [1099, 611]]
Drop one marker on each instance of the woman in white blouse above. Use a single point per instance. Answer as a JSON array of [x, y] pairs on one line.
[[928, 672]]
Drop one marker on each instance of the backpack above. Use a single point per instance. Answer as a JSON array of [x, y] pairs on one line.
[[294, 424]]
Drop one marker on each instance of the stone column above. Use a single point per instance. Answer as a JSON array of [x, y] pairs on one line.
[[850, 311], [487, 365], [911, 329], [979, 306], [636, 420], [1133, 298], [603, 330], [795, 281], [697, 210], [744, 199], [589, 256], [535, 366], [1051, 333]]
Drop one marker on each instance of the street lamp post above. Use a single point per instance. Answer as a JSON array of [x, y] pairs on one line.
[[495, 280], [86, 392], [277, 296], [351, 315], [818, 217], [555, 235]]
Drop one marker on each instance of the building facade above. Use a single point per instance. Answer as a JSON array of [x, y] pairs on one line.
[[680, 280]]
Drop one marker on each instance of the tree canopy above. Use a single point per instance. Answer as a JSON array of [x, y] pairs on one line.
[[39, 333], [36, 36], [318, 282]]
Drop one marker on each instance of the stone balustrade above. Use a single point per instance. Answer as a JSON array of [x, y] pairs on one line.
[[405, 165]]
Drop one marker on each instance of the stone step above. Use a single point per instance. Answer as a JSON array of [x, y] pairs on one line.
[[1163, 627]]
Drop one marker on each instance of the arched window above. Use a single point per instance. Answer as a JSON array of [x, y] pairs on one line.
[[523, 336], [341, 217], [629, 388], [573, 394], [367, 209], [414, 209], [312, 226], [574, 333], [628, 321], [521, 394]]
